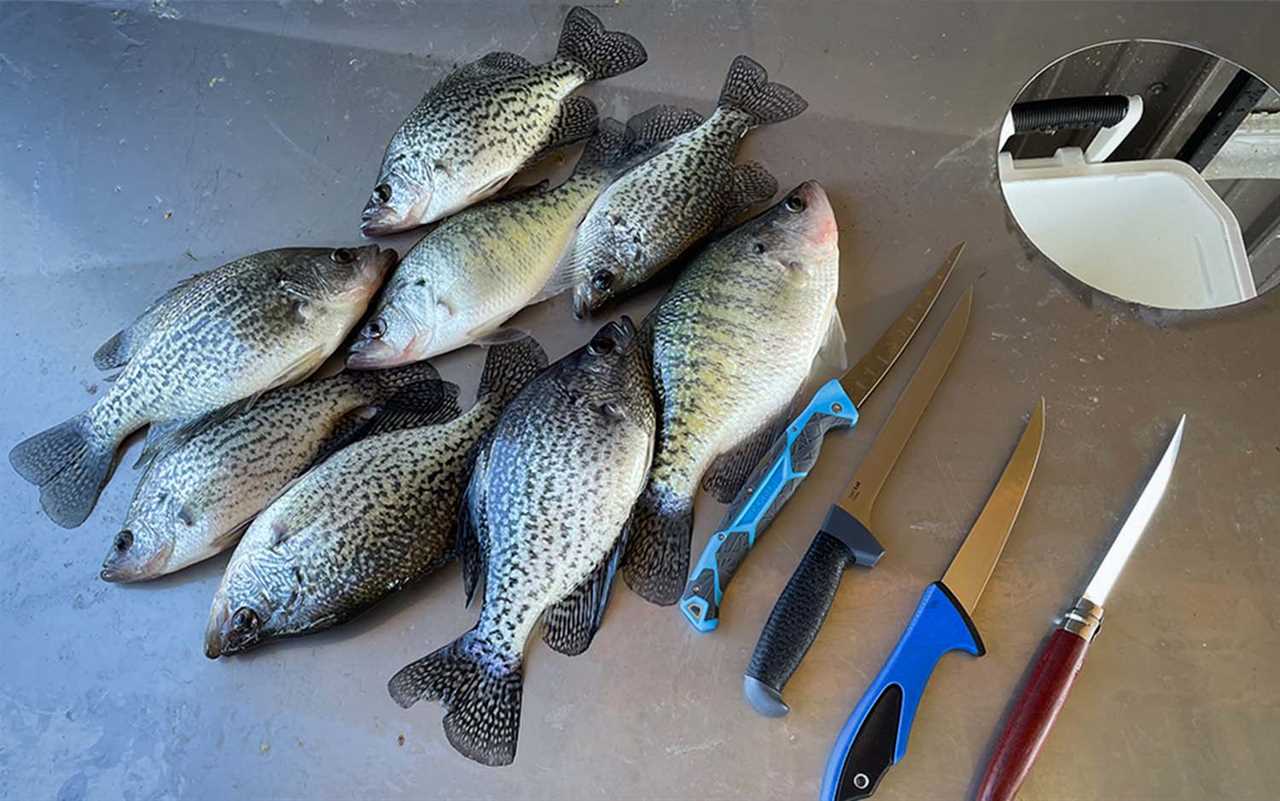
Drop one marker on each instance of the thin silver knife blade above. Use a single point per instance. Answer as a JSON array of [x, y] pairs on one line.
[[1105, 577], [858, 381]]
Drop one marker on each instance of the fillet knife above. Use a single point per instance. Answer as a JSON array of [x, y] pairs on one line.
[[875, 736], [1046, 690], [793, 454], [844, 538]]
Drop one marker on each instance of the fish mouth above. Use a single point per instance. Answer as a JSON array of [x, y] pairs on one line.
[[583, 305], [367, 353], [384, 259], [124, 567], [380, 220], [213, 632], [221, 638]]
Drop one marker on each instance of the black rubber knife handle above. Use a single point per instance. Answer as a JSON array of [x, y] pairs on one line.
[[794, 623]]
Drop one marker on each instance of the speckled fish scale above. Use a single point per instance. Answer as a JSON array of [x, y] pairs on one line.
[[373, 517], [196, 496], [486, 263], [659, 209], [733, 342], [546, 510], [256, 323], [487, 120]]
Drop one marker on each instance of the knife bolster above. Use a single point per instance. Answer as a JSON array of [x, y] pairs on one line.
[[1084, 620]]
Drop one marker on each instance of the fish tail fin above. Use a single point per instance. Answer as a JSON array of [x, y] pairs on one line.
[[657, 558], [509, 366], [480, 693], [747, 89], [69, 463], [602, 54]]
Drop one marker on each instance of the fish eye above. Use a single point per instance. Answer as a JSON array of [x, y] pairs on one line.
[[601, 345], [245, 620], [375, 329], [382, 192], [602, 280], [123, 541], [342, 256], [759, 247], [794, 204]]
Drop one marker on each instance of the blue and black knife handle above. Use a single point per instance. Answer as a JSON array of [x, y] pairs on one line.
[[875, 735], [801, 609], [766, 491]]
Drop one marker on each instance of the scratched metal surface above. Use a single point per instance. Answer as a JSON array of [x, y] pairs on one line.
[[146, 141]]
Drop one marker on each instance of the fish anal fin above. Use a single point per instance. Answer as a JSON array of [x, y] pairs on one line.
[[575, 121], [730, 469], [569, 625], [472, 533], [749, 183]]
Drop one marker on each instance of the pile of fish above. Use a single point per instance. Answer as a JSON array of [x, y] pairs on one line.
[[337, 489]]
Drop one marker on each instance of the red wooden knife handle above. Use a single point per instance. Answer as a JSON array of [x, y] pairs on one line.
[[1033, 716]]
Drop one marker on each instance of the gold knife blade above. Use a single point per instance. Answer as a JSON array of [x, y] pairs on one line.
[[859, 381], [973, 564], [879, 461]]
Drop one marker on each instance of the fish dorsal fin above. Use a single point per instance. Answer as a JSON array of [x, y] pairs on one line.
[[414, 410], [661, 124], [473, 529], [749, 183], [730, 469], [493, 65], [575, 121], [165, 437], [569, 625], [117, 350]]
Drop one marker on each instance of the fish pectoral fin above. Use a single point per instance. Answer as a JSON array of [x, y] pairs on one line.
[[232, 535], [749, 184], [569, 625], [729, 472], [489, 189], [473, 533], [832, 358], [296, 370]]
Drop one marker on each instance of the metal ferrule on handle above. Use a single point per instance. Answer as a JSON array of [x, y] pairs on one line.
[[767, 490]]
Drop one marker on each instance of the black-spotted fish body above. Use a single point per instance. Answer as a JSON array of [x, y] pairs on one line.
[[259, 322], [198, 494], [375, 516], [733, 342], [487, 120], [661, 208], [486, 263], [546, 511]]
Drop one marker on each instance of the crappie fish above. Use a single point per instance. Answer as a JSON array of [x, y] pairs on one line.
[[488, 119], [253, 324], [733, 343], [662, 207], [198, 495], [544, 524], [375, 516], [486, 263]]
